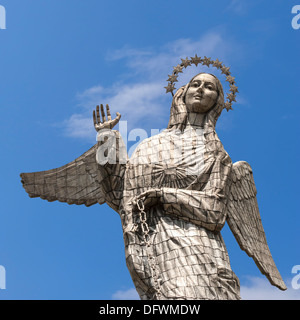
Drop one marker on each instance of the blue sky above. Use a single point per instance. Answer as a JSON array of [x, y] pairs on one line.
[[61, 58]]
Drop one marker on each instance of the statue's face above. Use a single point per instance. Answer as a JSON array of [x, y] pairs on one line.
[[202, 93]]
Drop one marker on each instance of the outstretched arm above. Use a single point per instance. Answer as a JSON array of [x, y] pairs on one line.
[[111, 154], [111, 148]]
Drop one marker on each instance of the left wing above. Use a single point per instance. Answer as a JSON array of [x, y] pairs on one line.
[[244, 220], [77, 182]]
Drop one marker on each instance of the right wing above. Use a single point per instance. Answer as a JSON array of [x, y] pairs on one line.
[[244, 220], [77, 182]]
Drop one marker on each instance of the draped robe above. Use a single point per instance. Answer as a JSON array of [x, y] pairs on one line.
[[190, 169]]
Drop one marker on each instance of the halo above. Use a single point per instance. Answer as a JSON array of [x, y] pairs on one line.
[[206, 62]]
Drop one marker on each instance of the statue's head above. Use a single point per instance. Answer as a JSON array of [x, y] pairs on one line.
[[203, 94]]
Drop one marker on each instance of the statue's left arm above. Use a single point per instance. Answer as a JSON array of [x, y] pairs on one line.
[[201, 208], [204, 206]]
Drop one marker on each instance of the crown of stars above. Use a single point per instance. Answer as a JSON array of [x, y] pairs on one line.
[[231, 97]]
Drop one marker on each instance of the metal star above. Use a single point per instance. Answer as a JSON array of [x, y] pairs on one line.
[[170, 87], [206, 61], [225, 70], [178, 68], [228, 106], [196, 60], [218, 64], [186, 62], [231, 96], [233, 88], [172, 78], [230, 79]]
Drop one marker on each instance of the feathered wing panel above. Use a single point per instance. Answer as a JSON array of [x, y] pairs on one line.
[[77, 182], [244, 220]]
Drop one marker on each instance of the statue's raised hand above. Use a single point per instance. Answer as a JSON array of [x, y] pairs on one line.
[[105, 123]]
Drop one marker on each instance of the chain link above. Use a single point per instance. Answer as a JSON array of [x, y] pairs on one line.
[[146, 238]]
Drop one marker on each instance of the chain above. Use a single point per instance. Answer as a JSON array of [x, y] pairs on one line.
[[146, 238]]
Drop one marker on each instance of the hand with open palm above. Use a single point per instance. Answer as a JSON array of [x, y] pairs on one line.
[[108, 123]]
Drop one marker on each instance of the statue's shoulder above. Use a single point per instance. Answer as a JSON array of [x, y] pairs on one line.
[[153, 140], [156, 137]]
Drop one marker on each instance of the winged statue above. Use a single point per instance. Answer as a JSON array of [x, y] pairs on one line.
[[174, 195]]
